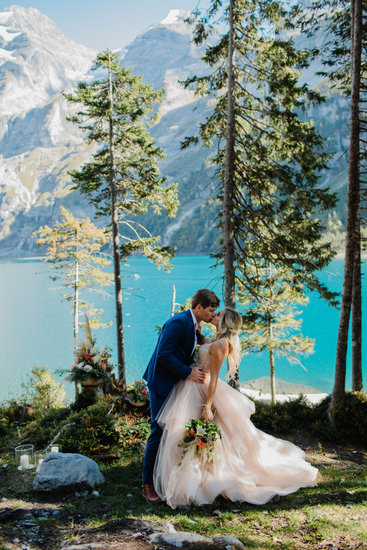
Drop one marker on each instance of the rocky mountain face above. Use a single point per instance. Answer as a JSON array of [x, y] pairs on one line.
[[38, 146]]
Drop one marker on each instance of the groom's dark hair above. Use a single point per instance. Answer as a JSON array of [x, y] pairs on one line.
[[204, 297]]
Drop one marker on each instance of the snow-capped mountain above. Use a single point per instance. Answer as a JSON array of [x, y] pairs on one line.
[[38, 146], [37, 60]]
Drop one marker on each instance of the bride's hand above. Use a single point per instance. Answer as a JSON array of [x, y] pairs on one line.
[[207, 415]]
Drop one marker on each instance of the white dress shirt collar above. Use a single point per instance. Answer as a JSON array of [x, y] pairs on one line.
[[196, 326]]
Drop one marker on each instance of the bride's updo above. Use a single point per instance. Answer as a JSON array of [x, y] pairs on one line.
[[229, 325]]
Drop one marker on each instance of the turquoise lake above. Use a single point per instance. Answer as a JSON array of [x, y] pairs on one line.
[[36, 324]]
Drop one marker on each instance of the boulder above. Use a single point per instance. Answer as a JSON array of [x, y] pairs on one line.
[[67, 471]]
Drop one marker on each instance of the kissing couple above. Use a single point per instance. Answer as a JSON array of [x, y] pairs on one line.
[[249, 465]]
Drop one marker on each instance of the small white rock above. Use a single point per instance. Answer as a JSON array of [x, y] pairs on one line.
[[95, 493], [169, 527]]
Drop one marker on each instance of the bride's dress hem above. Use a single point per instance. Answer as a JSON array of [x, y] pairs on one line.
[[249, 465]]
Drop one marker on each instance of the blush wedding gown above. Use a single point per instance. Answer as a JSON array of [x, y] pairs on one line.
[[249, 465]]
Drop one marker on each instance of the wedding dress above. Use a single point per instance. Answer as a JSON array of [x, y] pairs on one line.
[[249, 465]]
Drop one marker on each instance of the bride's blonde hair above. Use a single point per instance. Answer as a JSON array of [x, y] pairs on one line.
[[229, 326]]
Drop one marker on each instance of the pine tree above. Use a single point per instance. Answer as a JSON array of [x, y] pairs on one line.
[[74, 251], [344, 54], [352, 254], [270, 321], [277, 155], [123, 178]]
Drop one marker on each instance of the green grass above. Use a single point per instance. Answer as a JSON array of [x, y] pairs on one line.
[[330, 515], [335, 509]]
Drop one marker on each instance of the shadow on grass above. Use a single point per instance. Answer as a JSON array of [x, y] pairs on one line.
[[123, 491]]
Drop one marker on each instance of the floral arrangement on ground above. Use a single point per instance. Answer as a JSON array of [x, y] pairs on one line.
[[90, 362], [137, 393]]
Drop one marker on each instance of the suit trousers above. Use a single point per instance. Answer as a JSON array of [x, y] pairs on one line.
[[156, 402]]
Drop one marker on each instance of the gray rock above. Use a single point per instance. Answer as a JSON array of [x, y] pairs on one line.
[[228, 539], [177, 539], [60, 471]]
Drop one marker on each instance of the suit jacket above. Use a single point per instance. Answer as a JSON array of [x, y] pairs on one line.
[[172, 355]]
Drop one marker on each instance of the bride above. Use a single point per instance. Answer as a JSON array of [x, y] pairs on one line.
[[249, 465]]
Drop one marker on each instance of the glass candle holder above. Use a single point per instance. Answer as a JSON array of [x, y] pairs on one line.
[[54, 448], [38, 459], [24, 457]]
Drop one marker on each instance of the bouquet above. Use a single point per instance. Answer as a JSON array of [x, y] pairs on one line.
[[200, 439]]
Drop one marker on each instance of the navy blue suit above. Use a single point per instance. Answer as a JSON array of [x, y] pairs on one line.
[[169, 363]]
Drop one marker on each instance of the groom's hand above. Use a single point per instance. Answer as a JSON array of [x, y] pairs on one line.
[[198, 375]]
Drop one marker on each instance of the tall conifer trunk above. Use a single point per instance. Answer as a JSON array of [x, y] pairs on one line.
[[228, 191], [353, 205], [76, 289], [272, 370], [116, 248], [76, 300], [357, 383]]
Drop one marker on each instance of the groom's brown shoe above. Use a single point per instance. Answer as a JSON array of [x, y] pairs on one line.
[[149, 493]]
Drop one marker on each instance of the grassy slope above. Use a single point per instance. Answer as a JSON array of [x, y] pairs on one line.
[[331, 515]]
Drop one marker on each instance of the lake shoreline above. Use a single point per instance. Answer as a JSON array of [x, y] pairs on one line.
[[259, 390], [338, 256]]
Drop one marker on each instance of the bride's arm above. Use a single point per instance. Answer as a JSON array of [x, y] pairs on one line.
[[218, 352]]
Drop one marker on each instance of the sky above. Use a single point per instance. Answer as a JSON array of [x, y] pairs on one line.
[[101, 24]]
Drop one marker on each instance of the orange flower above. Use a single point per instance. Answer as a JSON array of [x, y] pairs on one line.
[[191, 432], [201, 444]]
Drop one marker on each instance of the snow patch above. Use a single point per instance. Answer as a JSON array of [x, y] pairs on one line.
[[6, 35], [6, 56], [174, 16], [4, 16]]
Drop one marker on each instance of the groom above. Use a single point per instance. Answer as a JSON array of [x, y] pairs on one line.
[[170, 363]]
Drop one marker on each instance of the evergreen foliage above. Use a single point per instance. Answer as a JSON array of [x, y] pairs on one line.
[[277, 154], [136, 156], [122, 180], [344, 54], [270, 320]]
